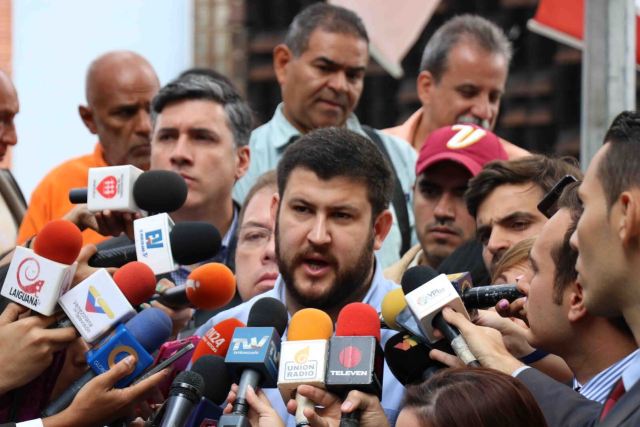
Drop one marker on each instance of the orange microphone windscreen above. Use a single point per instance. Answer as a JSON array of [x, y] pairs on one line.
[[211, 286], [217, 339], [136, 281], [310, 324], [358, 320], [59, 240]]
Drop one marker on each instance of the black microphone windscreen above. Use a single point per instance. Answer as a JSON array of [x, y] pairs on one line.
[[191, 378], [160, 191], [408, 359], [194, 241], [417, 276], [269, 312], [218, 381]]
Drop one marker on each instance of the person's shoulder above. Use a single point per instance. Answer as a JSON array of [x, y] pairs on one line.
[[240, 311], [399, 146]]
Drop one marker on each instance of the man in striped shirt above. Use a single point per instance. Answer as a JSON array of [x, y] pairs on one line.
[[596, 349]]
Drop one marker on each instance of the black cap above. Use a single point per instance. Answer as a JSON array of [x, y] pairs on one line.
[[269, 312], [417, 276], [194, 241], [216, 375], [160, 191]]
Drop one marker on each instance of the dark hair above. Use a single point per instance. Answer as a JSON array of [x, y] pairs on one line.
[[618, 170], [538, 169], [209, 72], [267, 179], [332, 19], [473, 28], [191, 86], [336, 152], [477, 397]]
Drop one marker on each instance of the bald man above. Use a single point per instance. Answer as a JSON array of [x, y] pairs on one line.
[[119, 89], [8, 109]]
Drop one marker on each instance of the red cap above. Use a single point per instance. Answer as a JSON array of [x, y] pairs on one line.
[[466, 144]]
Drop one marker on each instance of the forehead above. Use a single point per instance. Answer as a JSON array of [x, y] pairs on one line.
[[257, 210], [591, 182], [447, 173], [507, 199], [303, 184], [469, 63], [190, 113], [8, 96], [128, 85], [343, 48], [551, 234]]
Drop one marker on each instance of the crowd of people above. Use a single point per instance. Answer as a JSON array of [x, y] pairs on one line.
[[318, 211]]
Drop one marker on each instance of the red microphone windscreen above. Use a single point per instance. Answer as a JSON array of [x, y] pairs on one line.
[[358, 320], [136, 281], [59, 240], [217, 339], [211, 286]]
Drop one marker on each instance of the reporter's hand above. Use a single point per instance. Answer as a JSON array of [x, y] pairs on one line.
[[179, 318], [515, 333], [327, 411], [106, 222], [516, 308], [84, 270], [26, 346], [485, 343], [371, 412], [99, 403], [261, 413]]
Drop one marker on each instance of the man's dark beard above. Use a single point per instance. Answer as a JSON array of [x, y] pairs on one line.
[[347, 282]]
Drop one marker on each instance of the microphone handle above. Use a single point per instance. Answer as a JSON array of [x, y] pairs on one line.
[[78, 195], [116, 257], [178, 409], [458, 344], [175, 298], [65, 399], [350, 420], [488, 296]]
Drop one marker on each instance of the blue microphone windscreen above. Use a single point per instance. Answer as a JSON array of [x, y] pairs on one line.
[[151, 327]]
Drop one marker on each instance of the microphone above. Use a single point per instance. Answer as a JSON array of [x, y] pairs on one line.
[[303, 359], [215, 392], [217, 339], [408, 358], [109, 187], [190, 242], [488, 296], [426, 301], [140, 336], [36, 278], [253, 355], [355, 358], [98, 303], [392, 304], [185, 393], [208, 287], [160, 191]]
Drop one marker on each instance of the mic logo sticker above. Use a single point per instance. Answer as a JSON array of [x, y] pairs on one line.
[[153, 239], [350, 357], [27, 275], [108, 187], [96, 304], [300, 368], [427, 297], [407, 343], [252, 344]]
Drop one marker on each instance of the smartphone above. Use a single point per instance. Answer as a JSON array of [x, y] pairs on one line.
[[548, 205], [187, 348]]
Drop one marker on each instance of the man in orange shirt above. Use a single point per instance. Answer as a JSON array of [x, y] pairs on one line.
[[119, 89], [462, 77]]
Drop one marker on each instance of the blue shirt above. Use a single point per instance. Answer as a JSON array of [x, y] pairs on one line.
[[392, 390], [631, 375], [269, 141], [599, 387]]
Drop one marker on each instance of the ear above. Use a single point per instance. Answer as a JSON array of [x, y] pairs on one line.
[[424, 86], [629, 222], [577, 310], [381, 228], [243, 159], [87, 118], [275, 201], [282, 55]]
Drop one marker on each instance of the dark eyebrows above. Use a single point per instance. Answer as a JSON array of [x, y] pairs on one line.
[[515, 216], [335, 65]]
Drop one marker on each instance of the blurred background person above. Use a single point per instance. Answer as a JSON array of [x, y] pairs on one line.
[[514, 263]]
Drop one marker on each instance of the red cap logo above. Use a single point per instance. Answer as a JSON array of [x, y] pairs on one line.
[[350, 356], [108, 187]]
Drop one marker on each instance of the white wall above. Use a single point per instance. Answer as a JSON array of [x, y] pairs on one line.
[[53, 43]]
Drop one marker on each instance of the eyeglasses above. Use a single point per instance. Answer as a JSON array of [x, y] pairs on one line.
[[253, 237]]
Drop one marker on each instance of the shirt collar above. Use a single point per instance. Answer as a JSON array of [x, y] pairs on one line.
[[631, 375], [286, 130]]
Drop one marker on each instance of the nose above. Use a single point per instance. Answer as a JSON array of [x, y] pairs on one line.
[[143, 123], [483, 108], [8, 134], [338, 81], [319, 235], [269, 254], [498, 243], [181, 153], [445, 207]]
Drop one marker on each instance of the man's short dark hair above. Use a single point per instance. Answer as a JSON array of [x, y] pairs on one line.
[[336, 152], [538, 169], [332, 19], [619, 169], [472, 28], [199, 86]]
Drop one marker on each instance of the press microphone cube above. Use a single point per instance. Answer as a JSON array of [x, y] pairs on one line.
[[256, 348], [95, 305], [429, 299], [408, 322], [301, 362], [152, 242], [111, 188], [461, 281], [36, 282], [113, 349], [355, 363]]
